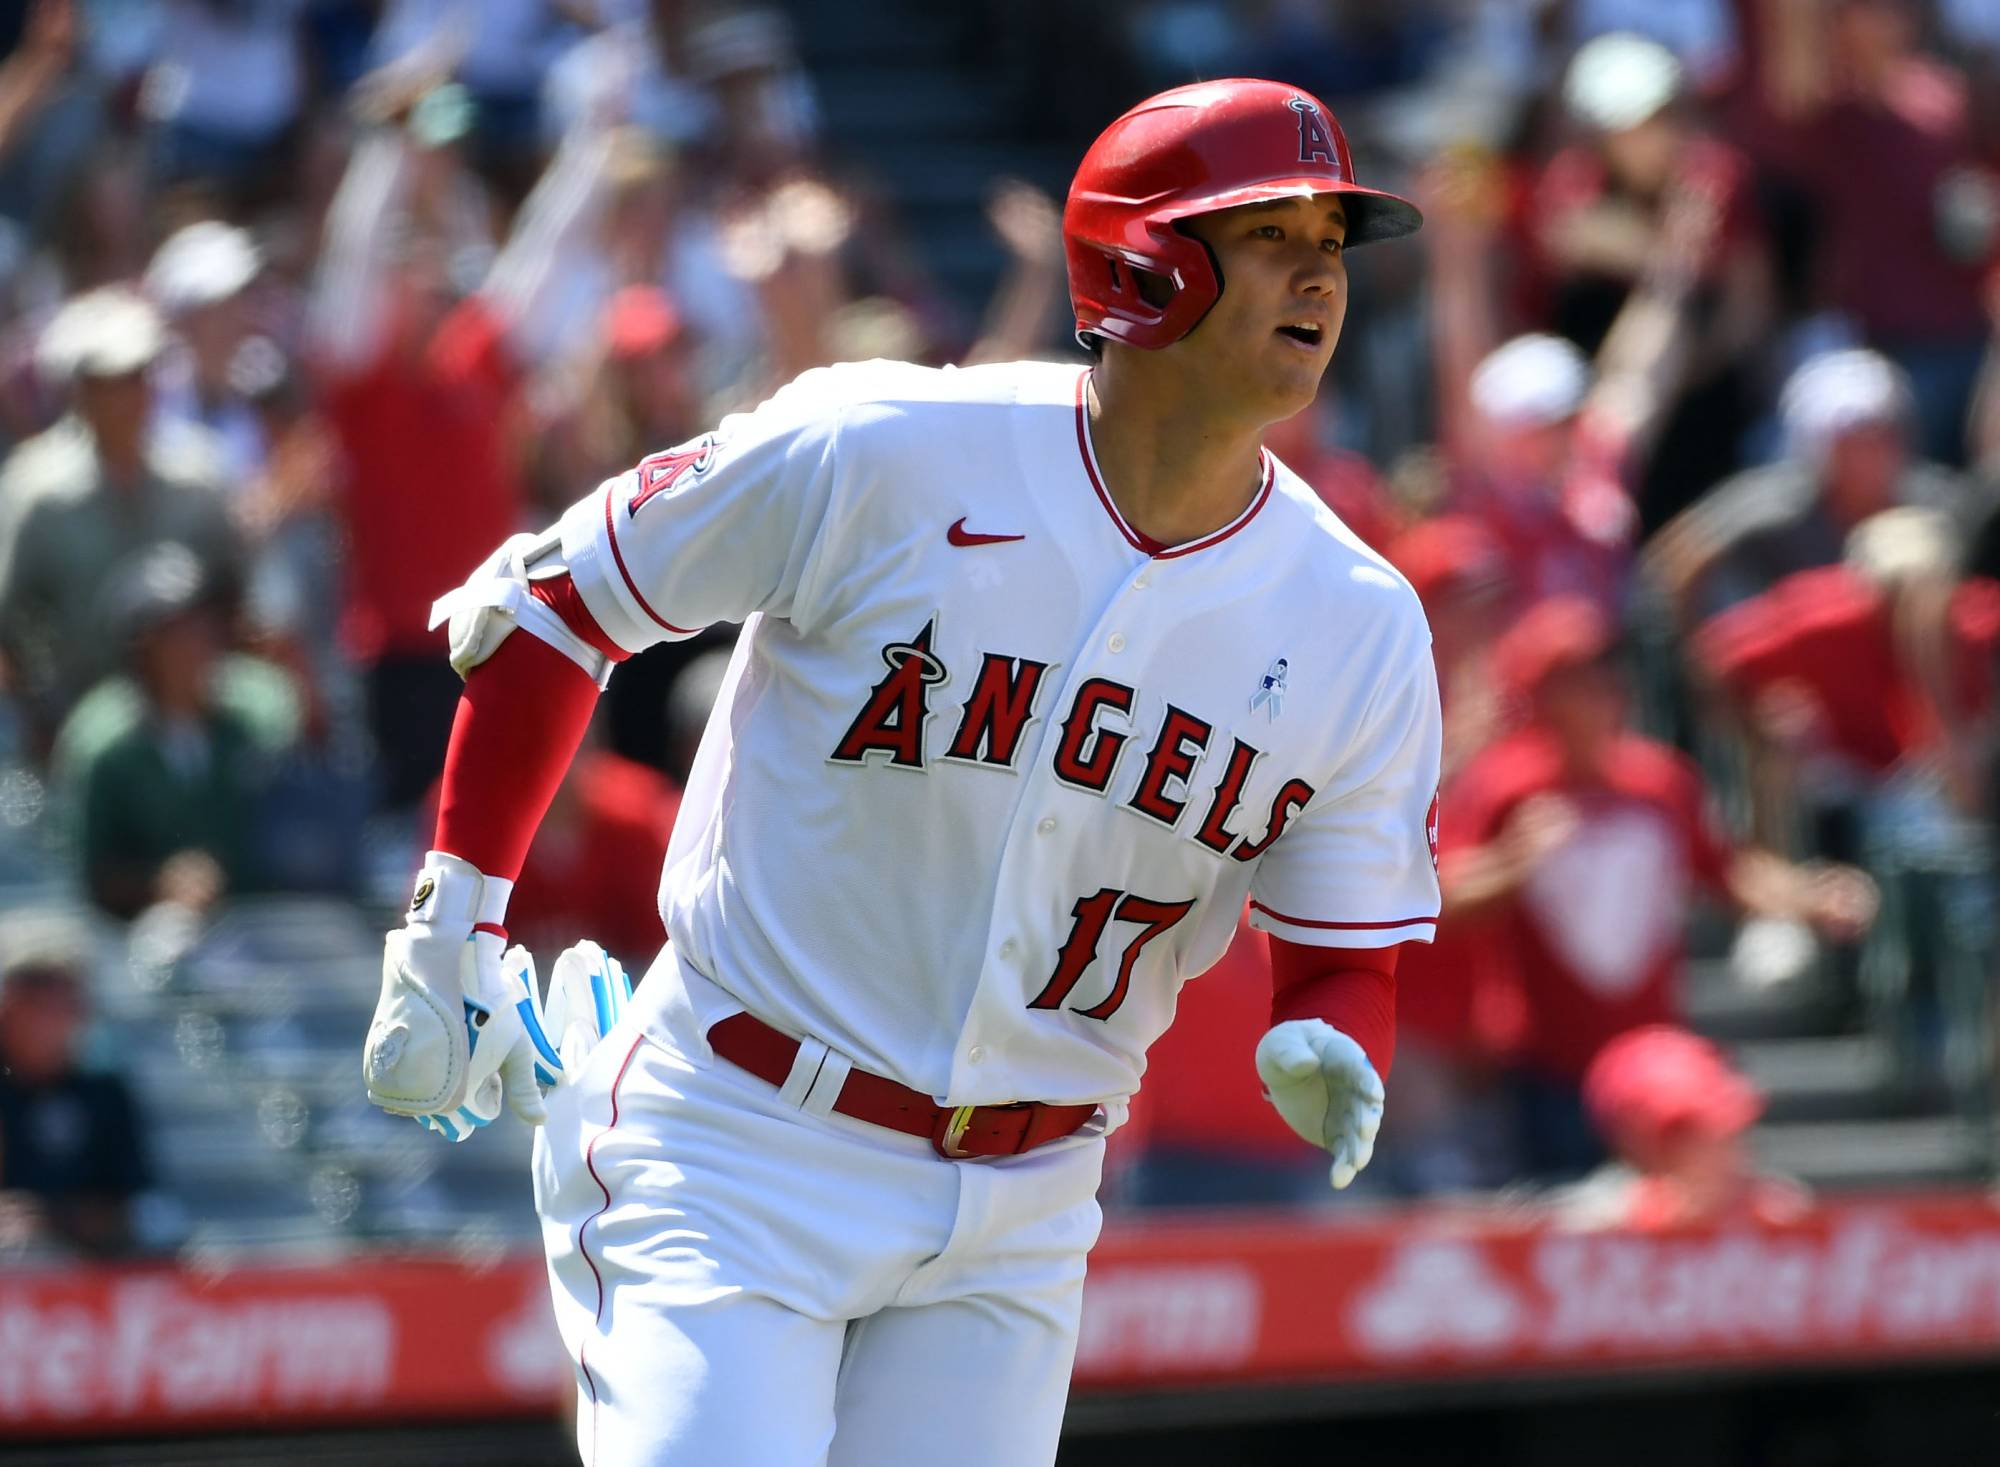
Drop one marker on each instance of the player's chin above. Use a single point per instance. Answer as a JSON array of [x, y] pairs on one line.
[[1291, 382]]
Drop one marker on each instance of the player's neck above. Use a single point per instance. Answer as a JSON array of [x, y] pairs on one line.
[[1175, 471]]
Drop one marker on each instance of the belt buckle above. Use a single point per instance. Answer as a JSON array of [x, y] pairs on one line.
[[950, 1130]]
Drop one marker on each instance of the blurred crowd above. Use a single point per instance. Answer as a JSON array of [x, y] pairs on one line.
[[1682, 415]]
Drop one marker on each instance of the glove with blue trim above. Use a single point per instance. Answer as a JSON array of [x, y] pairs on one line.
[[1322, 1083], [522, 1046]]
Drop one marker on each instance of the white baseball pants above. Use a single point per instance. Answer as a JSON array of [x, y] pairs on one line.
[[742, 1281]]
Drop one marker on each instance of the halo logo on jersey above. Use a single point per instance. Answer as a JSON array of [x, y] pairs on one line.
[[665, 472], [892, 720], [1315, 139]]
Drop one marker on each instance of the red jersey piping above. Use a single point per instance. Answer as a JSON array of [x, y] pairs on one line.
[[618, 555], [590, 1164], [1146, 544], [1344, 926]]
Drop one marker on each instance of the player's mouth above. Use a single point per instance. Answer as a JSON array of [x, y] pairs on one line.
[[1306, 335]]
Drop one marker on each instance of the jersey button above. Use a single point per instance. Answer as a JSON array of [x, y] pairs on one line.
[[975, 1054], [1117, 642], [1007, 948], [1046, 824], [1141, 581]]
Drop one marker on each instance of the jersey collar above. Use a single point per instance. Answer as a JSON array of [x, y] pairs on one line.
[[1146, 544]]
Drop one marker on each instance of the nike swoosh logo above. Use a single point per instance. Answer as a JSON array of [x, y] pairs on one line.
[[960, 536]]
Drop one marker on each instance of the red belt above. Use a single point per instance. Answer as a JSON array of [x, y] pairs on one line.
[[749, 1043]]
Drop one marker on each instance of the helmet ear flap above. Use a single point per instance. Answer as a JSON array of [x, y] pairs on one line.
[[1148, 297]]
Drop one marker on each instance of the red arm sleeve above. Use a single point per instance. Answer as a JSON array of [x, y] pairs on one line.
[[503, 764], [1353, 989]]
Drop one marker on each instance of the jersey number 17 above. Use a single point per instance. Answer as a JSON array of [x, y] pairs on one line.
[[1093, 914]]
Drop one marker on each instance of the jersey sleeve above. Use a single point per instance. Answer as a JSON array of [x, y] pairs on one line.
[[1358, 867], [712, 530]]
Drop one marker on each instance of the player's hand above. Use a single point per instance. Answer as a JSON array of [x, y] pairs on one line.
[[1321, 1082], [524, 1046], [417, 1057], [511, 1060], [588, 991]]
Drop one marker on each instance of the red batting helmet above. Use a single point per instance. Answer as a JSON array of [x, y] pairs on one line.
[[1193, 150]]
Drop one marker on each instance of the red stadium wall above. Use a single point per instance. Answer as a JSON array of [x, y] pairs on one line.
[[1216, 1301]]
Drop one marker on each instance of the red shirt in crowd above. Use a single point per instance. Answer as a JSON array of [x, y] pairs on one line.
[[1827, 632], [1594, 938], [1457, 992], [1570, 537], [1882, 172], [596, 874], [429, 489], [1576, 178]]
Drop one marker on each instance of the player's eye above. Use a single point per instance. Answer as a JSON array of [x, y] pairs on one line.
[[1333, 245], [1268, 231]]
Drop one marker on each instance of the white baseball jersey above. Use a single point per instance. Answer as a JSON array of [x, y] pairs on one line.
[[990, 776]]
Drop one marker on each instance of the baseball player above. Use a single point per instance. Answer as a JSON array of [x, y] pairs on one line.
[[1045, 672]]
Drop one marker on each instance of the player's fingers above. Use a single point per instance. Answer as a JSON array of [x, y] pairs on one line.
[[1363, 1149], [524, 1095], [1365, 1121], [1343, 1170], [1346, 1063]]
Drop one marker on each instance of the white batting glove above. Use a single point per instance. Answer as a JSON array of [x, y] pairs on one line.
[[511, 1059], [588, 991], [418, 1055], [1321, 1082], [522, 1047]]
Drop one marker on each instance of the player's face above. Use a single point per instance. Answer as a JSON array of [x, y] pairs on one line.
[[1268, 339]]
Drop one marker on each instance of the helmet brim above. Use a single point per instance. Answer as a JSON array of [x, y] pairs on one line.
[[1371, 214]]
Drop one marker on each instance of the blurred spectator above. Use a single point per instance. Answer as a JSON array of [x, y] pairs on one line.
[[1034, 292], [1701, 34], [636, 393], [1983, 435], [161, 774], [422, 391], [1457, 1009], [1540, 489], [635, 67], [224, 92], [1674, 1113], [1885, 658], [72, 1148], [499, 50], [1541, 445], [1880, 137], [1599, 212], [199, 279], [767, 116], [1847, 418], [1201, 1132], [96, 488], [1583, 843], [45, 121]]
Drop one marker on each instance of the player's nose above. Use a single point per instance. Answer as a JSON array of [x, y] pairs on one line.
[[1319, 271]]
